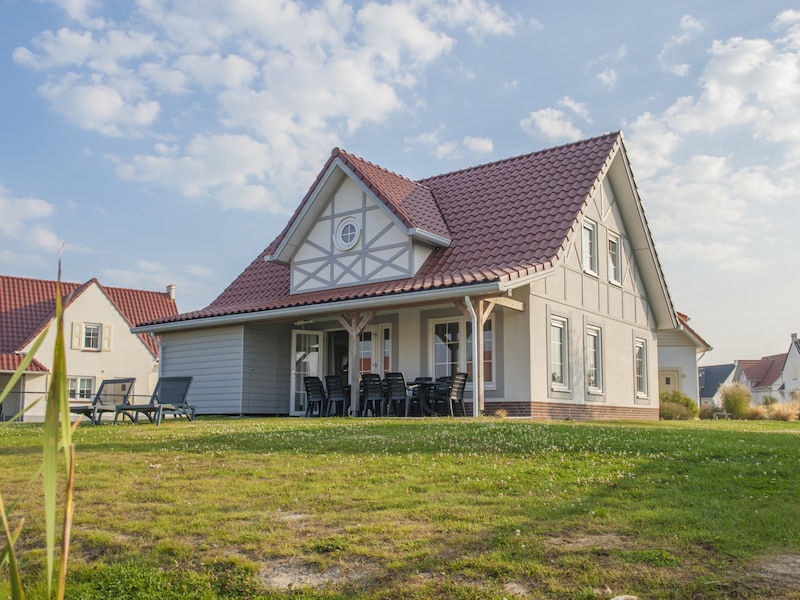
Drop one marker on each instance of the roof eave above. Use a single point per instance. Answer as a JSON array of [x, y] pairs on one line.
[[390, 300]]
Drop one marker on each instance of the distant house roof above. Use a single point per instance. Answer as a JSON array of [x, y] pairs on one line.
[[28, 305], [765, 371], [499, 223], [713, 376], [699, 342]]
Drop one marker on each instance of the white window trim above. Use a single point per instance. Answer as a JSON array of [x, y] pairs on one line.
[[338, 236], [590, 227], [73, 385], [640, 343], [616, 264], [597, 333], [563, 324], [489, 382]]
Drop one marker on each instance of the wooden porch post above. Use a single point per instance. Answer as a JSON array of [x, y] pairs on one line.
[[354, 323]]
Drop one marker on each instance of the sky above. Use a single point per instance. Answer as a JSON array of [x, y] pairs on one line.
[[163, 142]]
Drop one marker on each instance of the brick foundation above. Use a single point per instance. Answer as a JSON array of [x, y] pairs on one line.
[[577, 412]]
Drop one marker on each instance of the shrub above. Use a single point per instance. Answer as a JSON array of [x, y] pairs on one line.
[[677, 397], [735, 399], [756, 412], [769, 400], [784, 411], [706, 412], [672, 411]]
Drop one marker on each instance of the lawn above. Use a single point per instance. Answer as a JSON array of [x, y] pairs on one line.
[[420, 508]]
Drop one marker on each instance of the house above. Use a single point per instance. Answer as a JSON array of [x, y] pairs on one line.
[[791, 382], [764, 377], [678, 352], [99, 343], [711, 378], [536, 275]]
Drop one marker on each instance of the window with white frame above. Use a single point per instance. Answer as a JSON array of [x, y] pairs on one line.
[[640, 366], [91, 336], [452, 348], [559, 353], [614, 261], [80, 388], [594, 359], [590, 246]]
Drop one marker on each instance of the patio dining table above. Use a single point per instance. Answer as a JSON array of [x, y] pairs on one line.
[[427, 390]]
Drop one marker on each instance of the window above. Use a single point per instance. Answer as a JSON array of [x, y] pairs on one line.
[[452, 349], [640, 366], [91, 336], [347, 233], [614, 266], [594, 359], [590, 246], [559, 372], [81, 388]]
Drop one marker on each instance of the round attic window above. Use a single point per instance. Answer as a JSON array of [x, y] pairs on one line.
[[347, 233]]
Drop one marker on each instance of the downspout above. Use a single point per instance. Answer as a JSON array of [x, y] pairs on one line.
[[477, 380]]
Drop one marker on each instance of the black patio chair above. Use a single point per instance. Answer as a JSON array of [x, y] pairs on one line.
[[453, 395], [371, 394], [420, 394], [338, 396], [396, 394], [315, 396]]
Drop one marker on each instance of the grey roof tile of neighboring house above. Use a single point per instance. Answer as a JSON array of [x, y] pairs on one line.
[[713, 376]]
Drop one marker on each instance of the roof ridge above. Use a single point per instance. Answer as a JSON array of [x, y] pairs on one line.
[[611, 134], [349, 155]]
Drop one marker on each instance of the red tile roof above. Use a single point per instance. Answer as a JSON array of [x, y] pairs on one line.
[[28, 305], [505, 220], [765, 371]]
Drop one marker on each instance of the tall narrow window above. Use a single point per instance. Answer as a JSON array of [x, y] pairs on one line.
[[445, 348], [558, 353], [614, 259], [452, 349], [590, 246], [594, 359], [640, 366]]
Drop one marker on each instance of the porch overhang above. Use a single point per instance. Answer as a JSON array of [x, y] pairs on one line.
[[452, 293]]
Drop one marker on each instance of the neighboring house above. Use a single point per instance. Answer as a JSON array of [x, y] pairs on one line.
[[764, 377], [791, 377], [99, 343], [541, 268], [678, 351], [711, 378]]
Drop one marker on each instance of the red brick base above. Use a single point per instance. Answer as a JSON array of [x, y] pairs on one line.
[[576, 412]]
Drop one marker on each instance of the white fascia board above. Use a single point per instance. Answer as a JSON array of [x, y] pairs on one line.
[[429, 238], [393, 300]]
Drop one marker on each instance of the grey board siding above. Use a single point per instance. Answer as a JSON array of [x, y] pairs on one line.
[[214, 358], [267, 369]]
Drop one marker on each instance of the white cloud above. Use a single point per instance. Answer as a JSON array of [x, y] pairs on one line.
[[479, 145], [608, 77], [449, 149], [689, 28], [579, 108], [651, 140], [24, 228], [477, 17], [19, 213], [551, 123]]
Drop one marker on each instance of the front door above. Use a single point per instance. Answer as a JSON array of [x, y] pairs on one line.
[[306, 362], [668, 380]]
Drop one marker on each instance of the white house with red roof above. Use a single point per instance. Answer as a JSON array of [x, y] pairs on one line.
[[763, 376], [539, 269], [791, 371], [100, 345]]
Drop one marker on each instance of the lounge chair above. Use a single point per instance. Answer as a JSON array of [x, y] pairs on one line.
[[169, 398], [110, 394]]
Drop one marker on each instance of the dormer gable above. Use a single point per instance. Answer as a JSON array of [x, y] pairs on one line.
[[358, 224]]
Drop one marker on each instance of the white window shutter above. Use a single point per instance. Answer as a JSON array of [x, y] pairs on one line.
[[77, 334], [106, 337]]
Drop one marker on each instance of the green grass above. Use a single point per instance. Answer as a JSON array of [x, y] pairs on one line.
[[441, 508]]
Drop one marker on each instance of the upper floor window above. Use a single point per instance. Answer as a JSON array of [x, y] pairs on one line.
[[559, 353], [590, 246], [614, 262], [91, 336]]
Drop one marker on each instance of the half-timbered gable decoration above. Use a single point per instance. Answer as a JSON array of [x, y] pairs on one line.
[[358, 224], [536, 275]]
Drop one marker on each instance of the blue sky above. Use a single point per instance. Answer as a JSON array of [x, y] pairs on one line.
[[168, 141]]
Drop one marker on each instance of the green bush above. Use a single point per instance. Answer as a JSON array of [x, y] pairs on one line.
[[672, 411], [677, 397], [735, 399], [706, 412], [769, 400]]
